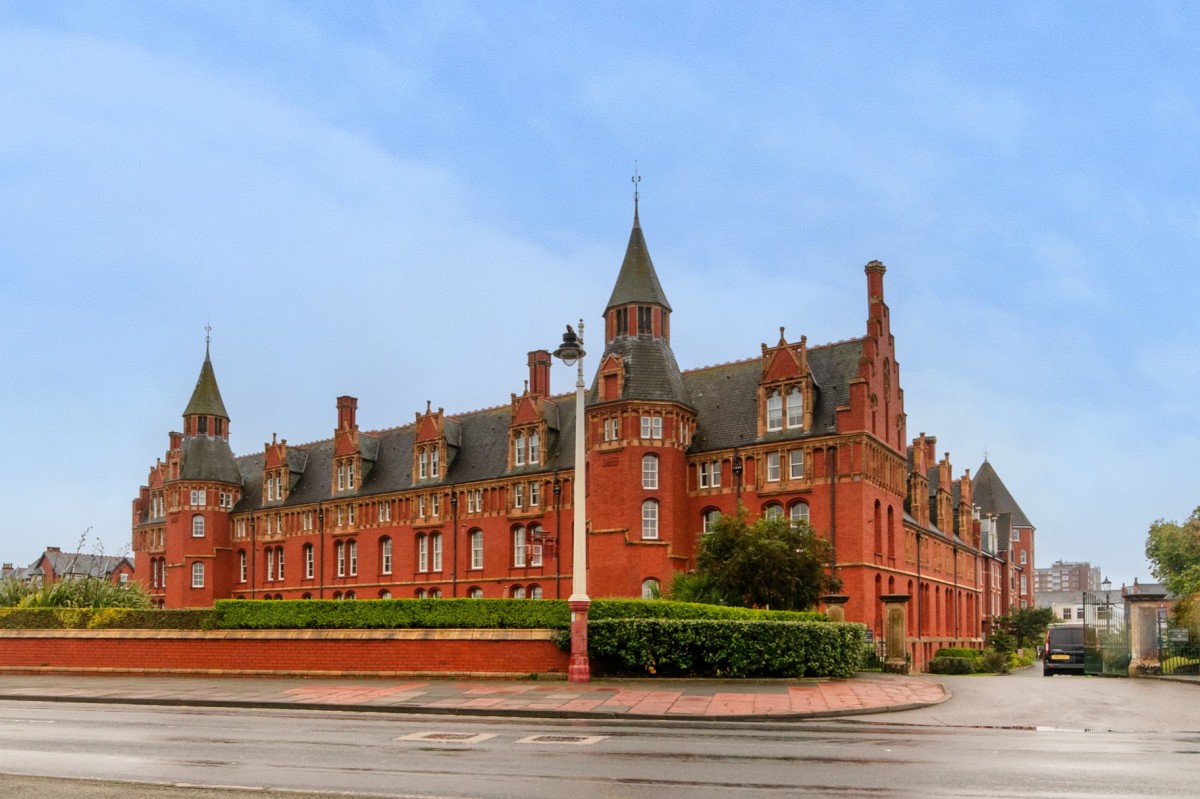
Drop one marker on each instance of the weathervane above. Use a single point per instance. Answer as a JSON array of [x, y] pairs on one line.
[[636, 180]]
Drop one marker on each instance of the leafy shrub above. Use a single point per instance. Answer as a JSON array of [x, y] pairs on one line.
[[391, 613], [725, 648], [994, 662], [666, 609], [85, 592], [103, 618], [952, 665]]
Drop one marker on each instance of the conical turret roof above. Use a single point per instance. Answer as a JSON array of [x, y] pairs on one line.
[[637, 282], [990, 495], [206, 399]]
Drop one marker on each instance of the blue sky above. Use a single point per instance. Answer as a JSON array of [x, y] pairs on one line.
[[399, 200]]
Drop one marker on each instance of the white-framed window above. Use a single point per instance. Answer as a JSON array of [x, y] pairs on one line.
[[422, 553], [341, 516], [709, 475], [519, 449], [649, 471], [535, 592], [309, 561], [710, 518], [798, 512], [349, 475], [519, 546], [385, 555], [1016, 534], [198, 574], [650, 519], [1024, 584], [384, 512], [476, 549], [350, 512], [1024, 557], [773, 511], [422, 464], [421, 507], [435, 593], [385, 594], [197, 526], [270, 564], [535, 494], [306, 520], [475, 592], [437, 504], [652, 427], [535, 549], [352, 556], [518, 496], [517, 592], [650, 588], [772, 467], [1066, 614], [341, 477], [279, 563], [795, 408], [419, 593], [434, 464], [199, 497], [612, 428], [535, 448], [339, 550], [774, 411], [796, 464], [435, 541], [242, 567]]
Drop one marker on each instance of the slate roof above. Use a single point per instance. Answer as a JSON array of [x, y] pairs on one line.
[[77, 564], [209, 458], [990, 495], [651, 372], [206, 398], [637, 281]]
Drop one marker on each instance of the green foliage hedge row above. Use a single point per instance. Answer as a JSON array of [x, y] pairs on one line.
[[105, 619], [391, 613], [725, 648], [953, 665], [666, 609], [958, 652]]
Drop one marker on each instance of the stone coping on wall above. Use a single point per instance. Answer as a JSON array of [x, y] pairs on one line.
[[404, 634]]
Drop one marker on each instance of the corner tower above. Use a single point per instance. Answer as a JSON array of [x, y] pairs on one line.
[[640, 422]]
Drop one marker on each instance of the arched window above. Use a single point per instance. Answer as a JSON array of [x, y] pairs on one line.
[[352, 556], [198, 574], [475, 592], [385, 555], [339, 551], [649, 519], [197, 526], [435, 593], [518, 538], [519, 449], [774, 411], [279, 563], [351, 595], [154, 573], [476, 549], [773, 511], [798, 512], [242, 567], [650, 588], [710, 518], [518, 592], [535, 447], [385, 594], [419, 593], [649, 471], [337, 594], [270, 564], [435, 546], [795, 408], [306, 595], [309, 561], [535, 547], [422, 553], [535, 592], [877, 522]]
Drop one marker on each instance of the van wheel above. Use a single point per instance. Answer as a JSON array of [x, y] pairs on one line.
[[1047, 673]]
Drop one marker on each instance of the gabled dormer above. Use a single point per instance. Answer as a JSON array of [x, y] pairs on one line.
[[786, 388], [437, 440], [282, 469], [527, 431], [354, 453]]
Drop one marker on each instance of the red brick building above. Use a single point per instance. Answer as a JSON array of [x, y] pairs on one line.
[[479, 503]]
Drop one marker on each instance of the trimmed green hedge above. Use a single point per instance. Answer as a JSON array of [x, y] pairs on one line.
[[105, 618], [236, 614], [958, 652], [953, 665], [666, 609], [725, 648]]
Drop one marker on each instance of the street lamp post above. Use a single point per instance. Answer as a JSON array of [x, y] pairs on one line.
[[1106, 584], [579, 669]]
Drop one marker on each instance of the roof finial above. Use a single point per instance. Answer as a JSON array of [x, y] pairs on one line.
[[207, 336], [636, 180]]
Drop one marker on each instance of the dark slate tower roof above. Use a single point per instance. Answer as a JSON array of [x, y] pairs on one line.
[[990, 495], [206, 399], [637, 283]]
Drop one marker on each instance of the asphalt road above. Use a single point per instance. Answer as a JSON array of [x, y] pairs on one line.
[[1100, 742]]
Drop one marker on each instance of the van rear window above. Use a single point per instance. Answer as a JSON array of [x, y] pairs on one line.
[[1066, 636]]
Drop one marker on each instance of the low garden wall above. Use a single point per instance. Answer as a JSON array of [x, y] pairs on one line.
[[377, 653]]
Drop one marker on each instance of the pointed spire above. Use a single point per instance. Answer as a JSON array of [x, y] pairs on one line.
[[206, 399], [637, 282]]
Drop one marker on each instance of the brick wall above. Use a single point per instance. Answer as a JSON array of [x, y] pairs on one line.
[[391, 653]]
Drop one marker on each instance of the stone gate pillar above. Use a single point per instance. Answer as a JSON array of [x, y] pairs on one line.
[[895, 632], [835, 606], [1143, 632]]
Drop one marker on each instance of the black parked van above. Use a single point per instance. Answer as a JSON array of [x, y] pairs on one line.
[[1064, 650]]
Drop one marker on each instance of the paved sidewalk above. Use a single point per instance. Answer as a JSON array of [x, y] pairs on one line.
[[641, 699]]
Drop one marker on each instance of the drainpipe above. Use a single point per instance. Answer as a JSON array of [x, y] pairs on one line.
[[454, 533], [321, 540], [253, 557], [557, 531]]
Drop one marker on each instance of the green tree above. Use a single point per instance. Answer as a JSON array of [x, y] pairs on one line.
[[1028, 625], [773, 563], [1174, 554]]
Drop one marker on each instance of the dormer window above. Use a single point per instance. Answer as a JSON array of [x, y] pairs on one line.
[[774, 411], [422, 465], [433, 462], [534, 448], [519, 449], [341, 477], [795, 408]]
